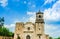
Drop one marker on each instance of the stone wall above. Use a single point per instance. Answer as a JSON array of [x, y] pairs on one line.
[[4, 37]]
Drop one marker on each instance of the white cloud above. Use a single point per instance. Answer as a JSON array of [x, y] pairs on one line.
[[32, 16], [48, 1], [32, 19], [52, 30], [30, 13], [4, 3], [53, 14], [11, 27]]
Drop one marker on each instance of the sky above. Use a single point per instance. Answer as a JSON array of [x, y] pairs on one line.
[[25, 10]]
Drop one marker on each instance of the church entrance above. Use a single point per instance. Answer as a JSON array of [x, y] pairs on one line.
[[18, 37], [28, 37]]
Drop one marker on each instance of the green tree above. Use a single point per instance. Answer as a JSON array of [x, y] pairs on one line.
[[58, 38], [50, 37], [5, 32], [0, 31], [1, 21]]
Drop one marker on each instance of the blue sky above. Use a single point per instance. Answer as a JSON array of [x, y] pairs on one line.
[[24, 10]]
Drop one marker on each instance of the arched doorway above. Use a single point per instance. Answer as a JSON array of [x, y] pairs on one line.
[[18, 37], [28, 37]]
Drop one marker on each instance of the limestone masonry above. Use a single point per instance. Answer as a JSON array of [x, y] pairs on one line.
[[31, 30]]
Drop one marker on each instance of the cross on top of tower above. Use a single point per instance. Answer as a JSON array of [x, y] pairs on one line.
[[39, 12]]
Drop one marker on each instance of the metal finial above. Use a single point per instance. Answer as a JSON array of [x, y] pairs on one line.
[[39, 10]]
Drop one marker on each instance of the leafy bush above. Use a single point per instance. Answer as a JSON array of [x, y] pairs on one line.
[[5, 32]]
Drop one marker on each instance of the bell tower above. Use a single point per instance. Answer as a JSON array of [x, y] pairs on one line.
[[39, 24], [39, 17]]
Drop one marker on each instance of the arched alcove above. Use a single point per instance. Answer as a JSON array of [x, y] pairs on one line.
[[18, 37], [28, 37]]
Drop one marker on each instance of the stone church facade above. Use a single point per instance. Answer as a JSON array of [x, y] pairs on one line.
[[31, 30]]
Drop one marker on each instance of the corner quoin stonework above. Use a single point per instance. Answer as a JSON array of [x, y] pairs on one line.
[[31, 30]]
